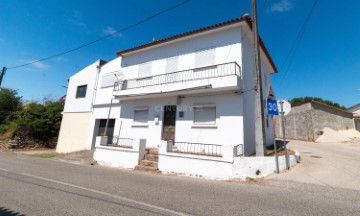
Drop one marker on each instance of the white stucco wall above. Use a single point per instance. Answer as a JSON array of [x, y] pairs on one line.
[[228, 128], [86, 76], [226, 43], [249, 94]]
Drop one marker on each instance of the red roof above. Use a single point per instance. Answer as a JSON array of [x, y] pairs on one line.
[[245, 18]]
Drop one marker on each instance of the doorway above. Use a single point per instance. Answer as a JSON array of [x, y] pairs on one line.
[[168, 132]]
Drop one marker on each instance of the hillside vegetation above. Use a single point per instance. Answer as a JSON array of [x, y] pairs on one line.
[[30, 123]]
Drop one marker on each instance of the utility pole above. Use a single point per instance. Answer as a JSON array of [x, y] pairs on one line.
[[2, 75], [259, 99]]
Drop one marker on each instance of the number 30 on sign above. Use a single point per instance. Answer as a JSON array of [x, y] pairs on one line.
[[271, 107]]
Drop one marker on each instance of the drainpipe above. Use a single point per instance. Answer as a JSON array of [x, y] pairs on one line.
[[95, 86]]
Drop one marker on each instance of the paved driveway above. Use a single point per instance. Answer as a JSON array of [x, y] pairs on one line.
[[334, 165]]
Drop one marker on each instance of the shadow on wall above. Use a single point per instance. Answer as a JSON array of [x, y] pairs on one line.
[[8, 212]]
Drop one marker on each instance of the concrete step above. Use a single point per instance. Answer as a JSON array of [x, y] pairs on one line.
[[149, 163], [147, 169], [151, 157]]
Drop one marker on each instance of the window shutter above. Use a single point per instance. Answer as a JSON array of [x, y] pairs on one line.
[[205, 115], [108, 80], [171, 64], [205, 58], [144, 70], [141, 116]]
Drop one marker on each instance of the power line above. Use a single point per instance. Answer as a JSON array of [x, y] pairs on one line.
[[104, 37], [297, 42]]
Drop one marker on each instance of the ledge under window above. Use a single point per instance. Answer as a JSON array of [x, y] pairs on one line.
[[204, 126], [140, 125]]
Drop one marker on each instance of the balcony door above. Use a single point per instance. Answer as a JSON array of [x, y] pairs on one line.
[[169, 121]]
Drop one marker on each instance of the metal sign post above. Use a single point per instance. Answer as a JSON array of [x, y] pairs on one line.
[[283, 131], [272, 109]]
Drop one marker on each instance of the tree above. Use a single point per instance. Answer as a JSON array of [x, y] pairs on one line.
[[298, 100], [10, 102]]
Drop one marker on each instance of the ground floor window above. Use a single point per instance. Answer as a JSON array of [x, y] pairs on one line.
[[102, 126], [141, 116], [205, 114]]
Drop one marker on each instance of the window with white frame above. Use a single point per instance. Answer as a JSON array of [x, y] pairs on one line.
[[141, 116], [205, 114], [144, 70]]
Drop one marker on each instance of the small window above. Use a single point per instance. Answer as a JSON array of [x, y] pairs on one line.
[[141, 116], [205, 115], [81, 91]]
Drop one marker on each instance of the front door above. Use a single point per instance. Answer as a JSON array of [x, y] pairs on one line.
[[169, 123]]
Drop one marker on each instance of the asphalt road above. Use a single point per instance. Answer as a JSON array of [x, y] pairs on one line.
[[36, 186], [334, 165]]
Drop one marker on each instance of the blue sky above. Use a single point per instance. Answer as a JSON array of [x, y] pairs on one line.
[[326, 63]]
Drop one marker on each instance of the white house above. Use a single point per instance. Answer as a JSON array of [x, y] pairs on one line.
[[356, 115], [191, 95]]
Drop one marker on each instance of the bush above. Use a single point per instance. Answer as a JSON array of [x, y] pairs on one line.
[[40, 122]]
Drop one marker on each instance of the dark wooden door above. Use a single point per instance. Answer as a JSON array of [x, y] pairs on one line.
[[169, 123]]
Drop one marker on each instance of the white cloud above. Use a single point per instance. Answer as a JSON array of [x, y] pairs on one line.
[[282, 6], [77, 19], [38, 65], [61, 59], [110, 30]]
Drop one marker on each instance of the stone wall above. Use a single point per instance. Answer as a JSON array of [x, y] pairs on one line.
[[306, 121]]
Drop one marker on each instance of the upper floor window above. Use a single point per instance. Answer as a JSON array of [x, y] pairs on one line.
[[171, 64], [81, 91], [205, 58], [144, 70]]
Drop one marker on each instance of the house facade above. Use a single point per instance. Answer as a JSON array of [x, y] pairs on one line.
[[193, 91], [356, 114]]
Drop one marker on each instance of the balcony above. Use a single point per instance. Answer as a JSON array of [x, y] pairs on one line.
[[222, 76]]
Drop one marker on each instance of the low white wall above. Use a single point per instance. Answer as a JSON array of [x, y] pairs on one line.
[[196, 165], [222, 168], [117, 156], [247, 167]]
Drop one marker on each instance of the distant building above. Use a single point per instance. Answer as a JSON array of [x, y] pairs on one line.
[[356, 114], [307, 120]]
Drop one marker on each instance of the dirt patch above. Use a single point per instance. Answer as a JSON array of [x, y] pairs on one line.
[[83, 157]]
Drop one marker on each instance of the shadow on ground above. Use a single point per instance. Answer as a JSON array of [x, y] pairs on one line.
[[8, 212]]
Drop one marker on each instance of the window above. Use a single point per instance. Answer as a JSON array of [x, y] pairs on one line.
[[81, 91], [205, 58], [171, 64], [141, 116], [144, 70], [109, 79], [205, 114]]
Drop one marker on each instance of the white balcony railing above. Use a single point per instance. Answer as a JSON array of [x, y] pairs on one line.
[[213, 71]]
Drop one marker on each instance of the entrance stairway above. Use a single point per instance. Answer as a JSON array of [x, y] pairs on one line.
[[150, 163]]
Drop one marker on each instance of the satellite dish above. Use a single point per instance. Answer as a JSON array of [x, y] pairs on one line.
[[286, 106], [120, 77]]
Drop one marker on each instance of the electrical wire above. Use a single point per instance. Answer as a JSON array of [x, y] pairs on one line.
[[290, 56], [104, 37]]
